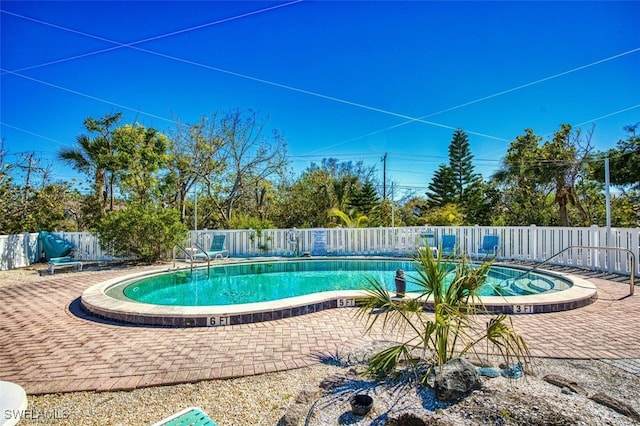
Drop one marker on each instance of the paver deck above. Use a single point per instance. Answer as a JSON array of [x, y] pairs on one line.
[[47, 345]]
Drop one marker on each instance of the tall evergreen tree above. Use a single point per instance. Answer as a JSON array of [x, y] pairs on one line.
[[461, 164], [442, 187], [363, 199]]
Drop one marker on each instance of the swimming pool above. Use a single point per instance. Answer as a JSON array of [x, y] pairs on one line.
[[245, 292], [270, 281]]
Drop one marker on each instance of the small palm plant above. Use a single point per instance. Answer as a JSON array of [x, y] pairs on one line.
[[359, 221], [452, 329]]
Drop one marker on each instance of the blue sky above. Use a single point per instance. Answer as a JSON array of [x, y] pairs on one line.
[[338, 79]]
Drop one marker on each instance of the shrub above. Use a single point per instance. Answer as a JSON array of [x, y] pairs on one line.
[[144, 231], [453, 329]]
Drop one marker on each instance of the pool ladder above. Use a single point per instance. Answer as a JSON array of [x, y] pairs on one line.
[[629, 252], [190, 255]]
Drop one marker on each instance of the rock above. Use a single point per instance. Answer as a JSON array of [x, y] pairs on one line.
[[488, 372], [415, 419], [616, 405], [333, 381], [561, 382], [512, 371], [456, 379], [296, 415], [308, 394]]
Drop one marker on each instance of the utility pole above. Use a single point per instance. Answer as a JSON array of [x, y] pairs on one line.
[[607, 194], [384, 176]]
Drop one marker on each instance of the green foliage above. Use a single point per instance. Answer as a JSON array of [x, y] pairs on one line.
[[96, 158], [623, 161], [451, 182], [458, 184], [447, 215], [240, 221], [481, 203], [257, 226], [350, 219], [139, 154], [461, 165], [381, 215], [192, 155], [524, 200], [535, 177], [145, 231], [364, 199], [241, 171], [450, 331], [442, 187], [305, 202], [34, 210]]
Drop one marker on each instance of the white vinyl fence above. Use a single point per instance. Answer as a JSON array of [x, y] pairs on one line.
[[526, 243]]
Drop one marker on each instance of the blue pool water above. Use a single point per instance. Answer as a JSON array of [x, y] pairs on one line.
[[260, 282]]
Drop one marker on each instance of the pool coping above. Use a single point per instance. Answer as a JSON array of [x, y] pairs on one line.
[[95, 301]]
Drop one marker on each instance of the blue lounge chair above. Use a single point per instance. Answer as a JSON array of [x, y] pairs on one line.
[[490, 246], [63, 262], [216, 250], [428, 241], [448, 245], [192, 416], [53, 246]]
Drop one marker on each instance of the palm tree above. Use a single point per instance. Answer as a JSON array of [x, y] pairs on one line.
[[86, 158], [95, 157], [451, 331], [360, 221]]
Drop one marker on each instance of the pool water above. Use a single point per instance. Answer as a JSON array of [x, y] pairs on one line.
[[261, 282]]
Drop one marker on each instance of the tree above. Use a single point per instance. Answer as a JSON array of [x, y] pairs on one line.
[[451, 182], [442, 187], [343, 188], [350, 219], [139, 153], [365, 198], [461, 165], [383, 214], [481, 203], [35, 205], [95, 158], [304, 202], [562, 162], [624, 161], [524, 192], [145, 231], [192, 155], [249, 157], [534, 177], [447, 215]]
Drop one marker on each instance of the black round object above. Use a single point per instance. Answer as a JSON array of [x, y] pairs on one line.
[[361, 404]]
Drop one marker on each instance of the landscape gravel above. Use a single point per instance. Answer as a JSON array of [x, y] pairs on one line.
[[266, 399]]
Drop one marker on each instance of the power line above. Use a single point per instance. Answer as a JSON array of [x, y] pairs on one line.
[[119, 45], [145, 40], [252, 78], [95, 98], [31, 133], [494, 95]]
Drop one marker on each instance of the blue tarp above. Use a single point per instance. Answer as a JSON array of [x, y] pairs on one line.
[[54, 246]]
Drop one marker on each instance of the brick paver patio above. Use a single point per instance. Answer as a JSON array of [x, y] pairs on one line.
[[47, 346]]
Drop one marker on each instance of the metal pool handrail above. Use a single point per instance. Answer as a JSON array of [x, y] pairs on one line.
[[629, 252], [190, 256], [207, 255]]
